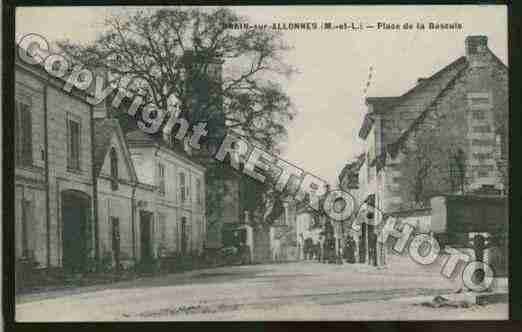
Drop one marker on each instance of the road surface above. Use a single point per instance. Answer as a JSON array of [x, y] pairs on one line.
[[291, 291]]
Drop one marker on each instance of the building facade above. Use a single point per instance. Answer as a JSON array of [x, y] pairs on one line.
[[86, 193], [176, 219], [116, 188], [54, 212], [445, 135]]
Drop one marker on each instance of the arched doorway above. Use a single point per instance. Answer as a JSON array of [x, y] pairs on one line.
[[75, 232]]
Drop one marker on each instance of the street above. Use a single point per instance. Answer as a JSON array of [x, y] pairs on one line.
[[290, 291]]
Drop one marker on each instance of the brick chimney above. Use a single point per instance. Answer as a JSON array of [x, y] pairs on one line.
[[477, 50], [476, 45], [99, 110]]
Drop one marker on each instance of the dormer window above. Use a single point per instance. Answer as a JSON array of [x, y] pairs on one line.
[[114, 169]]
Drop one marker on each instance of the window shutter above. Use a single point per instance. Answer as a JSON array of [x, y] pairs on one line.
[[76, 136], [69, 145], [19, 134], [73, 141], [177, 238], [27, 135]]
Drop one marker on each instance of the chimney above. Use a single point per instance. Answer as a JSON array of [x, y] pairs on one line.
[[476, 45], [99, 110]]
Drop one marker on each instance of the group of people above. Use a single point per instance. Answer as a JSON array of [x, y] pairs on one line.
[[324, 250]]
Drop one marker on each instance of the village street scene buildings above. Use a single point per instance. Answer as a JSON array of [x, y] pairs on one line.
[[447, 135], [119, 219]]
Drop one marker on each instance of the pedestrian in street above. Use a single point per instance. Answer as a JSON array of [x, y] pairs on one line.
[[308, 248], [349, 250]]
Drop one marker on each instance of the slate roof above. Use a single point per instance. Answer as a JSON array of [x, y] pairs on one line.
[[393, 148], [139, 137], [387, 104]]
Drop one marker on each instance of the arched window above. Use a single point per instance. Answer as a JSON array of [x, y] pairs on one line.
[[114, 169]]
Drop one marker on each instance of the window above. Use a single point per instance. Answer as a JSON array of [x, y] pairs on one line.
[[73, 130], [114, 169], [479, 101], [482, 156], [284, 215], [482, 129], [483, 170], [24, 136], [478, 115], [182, 187], [198, 191], [483, 142], [161, 179]]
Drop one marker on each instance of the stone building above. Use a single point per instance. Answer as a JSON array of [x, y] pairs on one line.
[[174, 221], [116, 183], [54, 210], [445, 135], [85, 193]]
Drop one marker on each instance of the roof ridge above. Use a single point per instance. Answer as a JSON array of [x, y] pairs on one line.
[[435, 75], [424, 112]]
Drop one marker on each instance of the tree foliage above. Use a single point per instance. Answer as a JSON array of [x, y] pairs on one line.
[[432, 162], [187, 62], [186, 59]]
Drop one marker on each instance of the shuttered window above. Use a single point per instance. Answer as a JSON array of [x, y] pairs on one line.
[[161, 179], [198, 191], [114, 169], [182, 187], [24, 134], [73, 155]]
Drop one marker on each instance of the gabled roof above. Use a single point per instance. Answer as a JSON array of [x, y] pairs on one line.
[[104, 130], [39, 70], [381, 104], [386, 104], [393, 148], [138, 137]]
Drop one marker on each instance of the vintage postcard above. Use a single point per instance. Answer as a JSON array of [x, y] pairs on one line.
[[247, 163]]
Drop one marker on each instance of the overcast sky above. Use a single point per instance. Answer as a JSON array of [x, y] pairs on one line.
[[334, 66]]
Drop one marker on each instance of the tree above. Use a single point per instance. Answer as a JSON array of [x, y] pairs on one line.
[[188, 60], [432, 162]]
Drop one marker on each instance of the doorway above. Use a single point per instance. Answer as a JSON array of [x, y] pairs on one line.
[[115, 234], [146, 237], [75, 230], [183, 236]]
